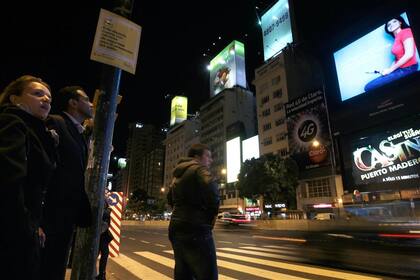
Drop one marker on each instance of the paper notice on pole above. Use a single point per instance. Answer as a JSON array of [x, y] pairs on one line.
[[117, 41]]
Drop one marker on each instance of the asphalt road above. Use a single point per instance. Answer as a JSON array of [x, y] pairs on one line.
[[247, 253]]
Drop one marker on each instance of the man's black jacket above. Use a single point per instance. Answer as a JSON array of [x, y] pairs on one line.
[[193, 195]]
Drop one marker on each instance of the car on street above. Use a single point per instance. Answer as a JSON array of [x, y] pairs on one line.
[[233, 218]]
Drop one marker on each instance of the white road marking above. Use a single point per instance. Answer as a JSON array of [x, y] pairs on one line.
[[170, 262], [254, 271], [137, 268], [301, 268]]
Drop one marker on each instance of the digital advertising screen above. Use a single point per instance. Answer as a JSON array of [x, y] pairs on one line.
[[308, 132], [227, 69], [233, 159], [381, 57], [179, 109], [390, 156], [276, 28], [250, 148]]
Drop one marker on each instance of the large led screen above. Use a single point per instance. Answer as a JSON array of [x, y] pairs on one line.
[[276, 28], [227, 69], [377, 59], [390, 156]]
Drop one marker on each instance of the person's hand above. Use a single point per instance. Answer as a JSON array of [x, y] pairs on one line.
[[386, 71], [42, 237]]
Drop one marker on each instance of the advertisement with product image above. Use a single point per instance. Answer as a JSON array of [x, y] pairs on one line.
[[392, 156], [308, 132], [227, 69], [380, 58]]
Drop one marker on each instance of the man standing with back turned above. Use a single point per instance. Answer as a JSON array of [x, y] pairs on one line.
[[66, 203], [194, 198]]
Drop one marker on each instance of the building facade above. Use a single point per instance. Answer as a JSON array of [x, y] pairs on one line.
[[178, 140], [229, 114], [145, 159], [271, 95]]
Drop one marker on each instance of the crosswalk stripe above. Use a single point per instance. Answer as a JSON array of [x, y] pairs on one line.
[[254, 270], [170, 262], [137, 268], [261, 254], [257, 271], [281, 247], [300, 240], [300, 268], [270, 250], [144, 241]]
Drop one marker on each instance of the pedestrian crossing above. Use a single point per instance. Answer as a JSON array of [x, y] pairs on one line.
[[250, 262]]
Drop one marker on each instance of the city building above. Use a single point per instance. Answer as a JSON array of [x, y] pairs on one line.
[[271, 95], [145, 158], [229, 114], [178, 140]]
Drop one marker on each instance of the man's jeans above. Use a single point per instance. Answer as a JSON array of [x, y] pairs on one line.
[[195, 255]]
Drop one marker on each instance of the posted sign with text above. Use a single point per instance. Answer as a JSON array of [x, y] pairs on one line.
[[117, 41]]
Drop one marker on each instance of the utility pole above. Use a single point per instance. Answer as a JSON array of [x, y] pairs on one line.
[[87, 239]]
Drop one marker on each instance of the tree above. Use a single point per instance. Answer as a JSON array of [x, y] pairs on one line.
[[137, 201], [269, 176], [141, 202]]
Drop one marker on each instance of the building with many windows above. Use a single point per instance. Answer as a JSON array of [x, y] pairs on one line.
[[177, 142], [145, 158], [227, 115], [271, 95], [277, 82]]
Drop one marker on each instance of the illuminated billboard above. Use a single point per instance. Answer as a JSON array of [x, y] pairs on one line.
[[178, 109], [233, 159], [390, 156], [369, 63], [227, 69], [250, 148], [308, 132], [276, 28]]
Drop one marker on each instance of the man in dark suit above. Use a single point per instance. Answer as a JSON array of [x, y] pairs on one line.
[[66, 202]]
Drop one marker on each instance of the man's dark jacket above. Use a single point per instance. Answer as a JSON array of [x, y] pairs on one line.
[[193, 196], [66, 198]]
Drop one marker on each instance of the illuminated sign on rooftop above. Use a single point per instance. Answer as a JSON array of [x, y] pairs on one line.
[[276, 28], [227, 69]]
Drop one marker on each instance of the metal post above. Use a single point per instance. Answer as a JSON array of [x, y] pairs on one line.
[[87, 239]]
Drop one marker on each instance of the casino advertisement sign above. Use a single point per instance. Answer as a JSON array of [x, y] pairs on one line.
[[387, 157], [307, 125]]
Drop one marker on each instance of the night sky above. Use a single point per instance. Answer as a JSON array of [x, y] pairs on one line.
[[54, 42]]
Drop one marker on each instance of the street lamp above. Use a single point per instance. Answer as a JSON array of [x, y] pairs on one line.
[[223, 177]]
